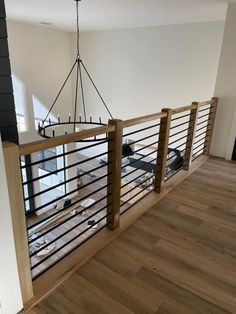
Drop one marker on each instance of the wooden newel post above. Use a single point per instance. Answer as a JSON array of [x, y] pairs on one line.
[[210, 124], [14, 182], [191, 135], [114, 170], [162, 151]]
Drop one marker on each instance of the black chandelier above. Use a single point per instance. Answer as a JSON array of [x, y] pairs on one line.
[[48, 128]]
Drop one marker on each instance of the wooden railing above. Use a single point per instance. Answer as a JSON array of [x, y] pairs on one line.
[[106, 176]]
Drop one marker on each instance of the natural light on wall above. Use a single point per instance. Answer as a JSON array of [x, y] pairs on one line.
[[20, 103]]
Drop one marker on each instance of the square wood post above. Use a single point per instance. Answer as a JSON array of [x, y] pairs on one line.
[[210, 125], [191, 135], [14, 182], [114, 170], [162, 150]]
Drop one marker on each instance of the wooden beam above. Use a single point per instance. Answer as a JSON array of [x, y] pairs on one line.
[[191, 135], [14, 182], [37, 146], [162, 150], [210, 125], [114, 170]]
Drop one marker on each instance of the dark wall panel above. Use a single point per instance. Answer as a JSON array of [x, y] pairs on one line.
[[8, 124], [2, 9], [5, 68], [3, 29]]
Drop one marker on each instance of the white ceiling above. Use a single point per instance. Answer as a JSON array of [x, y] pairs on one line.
[[115, 14]]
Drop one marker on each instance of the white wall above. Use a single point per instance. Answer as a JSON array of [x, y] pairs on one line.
[[41, 59], [10, 295], [225, 127], [142, 70]]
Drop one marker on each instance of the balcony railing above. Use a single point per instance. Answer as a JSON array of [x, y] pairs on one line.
[[101, 182]]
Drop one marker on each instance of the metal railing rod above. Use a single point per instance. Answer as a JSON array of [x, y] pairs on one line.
[[143, 129], [205, 115], [199, 151], [61, 210], [64, 182], [204, 121], [133, 188], [203, 138], [136, 169], [127, 183], [204, 132], [205, 109], [181, 138], [176, 126], [127, 201], [65, 168], [197, 156], [146, 194], [203, 127], [66, 220], [68, 231], [70, 251], [63, 154], [175, 155], [65, 244], [185, 130], [140, 158], [143, 147], [198, 146], [145, 138], [173, 173], [180, 117]]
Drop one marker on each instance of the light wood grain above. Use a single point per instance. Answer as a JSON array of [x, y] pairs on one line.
[[13, 173]]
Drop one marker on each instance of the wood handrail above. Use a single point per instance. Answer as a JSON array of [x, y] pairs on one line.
[[37, 146], [143, 119]]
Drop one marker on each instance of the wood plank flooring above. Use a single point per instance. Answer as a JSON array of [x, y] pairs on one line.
[[179, 258]]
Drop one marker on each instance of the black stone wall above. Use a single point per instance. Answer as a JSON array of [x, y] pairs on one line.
[[8, 123]]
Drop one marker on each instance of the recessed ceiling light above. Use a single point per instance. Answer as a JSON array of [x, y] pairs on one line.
[[45, 23]]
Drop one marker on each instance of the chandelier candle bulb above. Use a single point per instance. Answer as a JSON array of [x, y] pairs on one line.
[[100, 120], [53, 133], [59, 119], [49, 120], [69, 117], [90, 118], [80, 117]]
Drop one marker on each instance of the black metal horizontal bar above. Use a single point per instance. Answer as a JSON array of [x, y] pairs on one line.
[[203, 127], [144, 129], [181, 138], [68, 231], [64, 245], [179, 152], [127, 183], [65, 168], [203, 138], [138, 150], [176, 147], [146, 194], [204, 121], [205, 115], [67, 219], [140, 158], [71, 192], [170, 136], [205, 109], [173, 173], [145, 138], [199, 155], [74, 203], [198, 146], [63, 154], [64, 182], [136, 169], [199, 150], [70, 251], [180, 117], [204, 132], [176, 126], [133, 188], [136, 195]]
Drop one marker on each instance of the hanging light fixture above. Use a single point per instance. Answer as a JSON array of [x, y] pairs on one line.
[[48, 128]]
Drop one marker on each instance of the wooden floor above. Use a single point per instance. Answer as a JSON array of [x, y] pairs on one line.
[[180, 257]]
